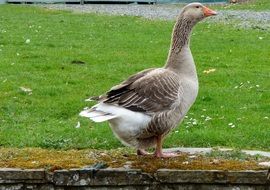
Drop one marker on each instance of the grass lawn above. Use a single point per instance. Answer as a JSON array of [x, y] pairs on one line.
[[37, 48], [258, 5]]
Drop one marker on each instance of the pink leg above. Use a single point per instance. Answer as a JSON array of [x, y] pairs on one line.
[[158, 153], [142, 152]]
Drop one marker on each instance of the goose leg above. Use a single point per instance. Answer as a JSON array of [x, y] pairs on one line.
[[158, 152], [142, 152]]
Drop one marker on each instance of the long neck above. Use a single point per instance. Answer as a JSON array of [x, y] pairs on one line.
[[180, 58]]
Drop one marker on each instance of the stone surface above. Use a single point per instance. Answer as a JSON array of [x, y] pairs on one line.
[[213, 176], [164, 179], [131, 179], [101, 177], [20, 174], [256, 152], [189, 150], [209, 150], [266, 164]]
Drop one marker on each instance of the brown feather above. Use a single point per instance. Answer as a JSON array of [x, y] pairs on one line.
[[149, 91]]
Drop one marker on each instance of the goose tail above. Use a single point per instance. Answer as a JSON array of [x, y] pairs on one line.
[[97, 115]]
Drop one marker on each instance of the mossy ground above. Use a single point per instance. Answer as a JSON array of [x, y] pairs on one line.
[[59, 159]]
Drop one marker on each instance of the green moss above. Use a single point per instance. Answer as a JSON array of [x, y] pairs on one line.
[[56, 159]]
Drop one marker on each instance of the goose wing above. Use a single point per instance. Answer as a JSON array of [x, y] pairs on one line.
[[150, 91]]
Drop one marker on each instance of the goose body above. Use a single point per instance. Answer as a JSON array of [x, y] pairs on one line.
[[143, 109]]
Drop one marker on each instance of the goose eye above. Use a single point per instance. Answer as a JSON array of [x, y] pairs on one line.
[[197, 7]]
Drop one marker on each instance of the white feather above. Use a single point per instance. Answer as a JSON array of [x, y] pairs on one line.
[[97, 116], [126, 124], [88, 100]]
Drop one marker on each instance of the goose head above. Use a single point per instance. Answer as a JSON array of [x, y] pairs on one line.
[[196, 12]]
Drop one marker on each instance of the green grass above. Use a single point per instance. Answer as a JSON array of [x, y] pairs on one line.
[[113, 48], [256, 5]]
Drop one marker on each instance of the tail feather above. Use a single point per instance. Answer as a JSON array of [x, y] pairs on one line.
[[95, 98], [97, 115]]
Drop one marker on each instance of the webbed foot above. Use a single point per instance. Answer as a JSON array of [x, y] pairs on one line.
[[142, 152]]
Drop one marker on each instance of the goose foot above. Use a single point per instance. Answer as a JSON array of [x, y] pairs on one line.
[[159, 154], [142, 152]]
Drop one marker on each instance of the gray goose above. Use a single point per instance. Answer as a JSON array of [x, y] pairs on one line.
[[143, 109]]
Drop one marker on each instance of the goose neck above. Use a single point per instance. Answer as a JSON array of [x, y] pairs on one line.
[[179, 50]]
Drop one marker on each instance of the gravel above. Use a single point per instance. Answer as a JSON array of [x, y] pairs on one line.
[[241, 18]]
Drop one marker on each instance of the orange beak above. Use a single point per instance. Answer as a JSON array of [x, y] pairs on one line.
[[208, 12]]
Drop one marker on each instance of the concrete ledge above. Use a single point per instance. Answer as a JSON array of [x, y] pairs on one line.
[[19, 174], [213, 176], [133, 179], [107, 177]]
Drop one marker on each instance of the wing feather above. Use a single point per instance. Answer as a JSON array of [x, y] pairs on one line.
[[149, 91]]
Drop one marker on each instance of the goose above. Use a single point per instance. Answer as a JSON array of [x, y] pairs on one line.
[[143, 109]]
